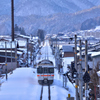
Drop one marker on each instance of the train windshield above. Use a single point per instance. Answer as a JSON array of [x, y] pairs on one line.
[[40, 70], [51, 70], [45, 70]]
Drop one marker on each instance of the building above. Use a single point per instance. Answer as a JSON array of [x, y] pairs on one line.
[[68, 51], [8, 55]]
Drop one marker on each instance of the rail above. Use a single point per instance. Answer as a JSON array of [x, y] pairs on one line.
[[41, 95]]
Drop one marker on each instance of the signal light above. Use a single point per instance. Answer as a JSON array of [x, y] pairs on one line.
[[86, 77]]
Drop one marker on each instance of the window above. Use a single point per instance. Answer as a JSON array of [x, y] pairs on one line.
[[45, 70], [39, 70], [51, 70]]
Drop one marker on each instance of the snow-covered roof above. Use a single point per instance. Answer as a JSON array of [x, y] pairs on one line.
[[94, 54], [68, 60], [8, 44], [23, 36], [22, 43], [7, 51], [22, 49], [67, 49], [18, 52]]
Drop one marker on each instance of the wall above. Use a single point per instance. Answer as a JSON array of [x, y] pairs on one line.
[[68, 54], [10, 66]]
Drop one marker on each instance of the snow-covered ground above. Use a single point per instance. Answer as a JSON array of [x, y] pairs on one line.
[[23, 84]]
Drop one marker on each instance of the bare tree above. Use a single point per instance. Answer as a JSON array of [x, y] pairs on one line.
[[94, 82]]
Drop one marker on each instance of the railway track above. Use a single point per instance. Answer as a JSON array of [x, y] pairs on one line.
[[42, 95]]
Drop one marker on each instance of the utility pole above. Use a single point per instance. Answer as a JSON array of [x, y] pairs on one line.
[[56, 41], [15, 52], [11, 54], [12, 18], [33, 55], [80, 73], [6, 59], [86, 68], [76, 81], [27, 52]]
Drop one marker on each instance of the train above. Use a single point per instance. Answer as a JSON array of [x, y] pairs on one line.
[[45, 72]]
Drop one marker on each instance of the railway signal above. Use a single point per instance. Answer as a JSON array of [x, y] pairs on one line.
[[73, 70], [74, 73], [86, 77]]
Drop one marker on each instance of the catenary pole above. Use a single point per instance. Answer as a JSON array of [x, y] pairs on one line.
[[80, 73], [86, 69], [6, 59], [76, 81]]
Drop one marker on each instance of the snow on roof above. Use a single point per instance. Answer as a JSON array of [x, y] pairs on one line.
[[94, 54], [22, 42], [67, 49], [22, 50], [8, 44], [7, 51], [23, 36], [18, 52], [68, 60], [5, 36]]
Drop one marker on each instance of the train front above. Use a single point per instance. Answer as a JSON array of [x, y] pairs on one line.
[[45, 72]]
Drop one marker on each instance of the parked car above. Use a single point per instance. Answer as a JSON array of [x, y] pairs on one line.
[[23, 64]]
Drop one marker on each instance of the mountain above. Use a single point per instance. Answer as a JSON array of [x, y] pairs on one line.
[[45, 7], [61, 22], [53, 16]]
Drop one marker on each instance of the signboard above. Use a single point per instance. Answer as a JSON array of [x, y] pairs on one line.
[[86, 77]]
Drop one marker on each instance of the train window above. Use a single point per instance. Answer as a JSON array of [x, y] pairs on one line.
[[39, 70], [45, 70], [51, 70]]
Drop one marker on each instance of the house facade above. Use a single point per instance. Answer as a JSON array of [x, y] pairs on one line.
[[68, 51]]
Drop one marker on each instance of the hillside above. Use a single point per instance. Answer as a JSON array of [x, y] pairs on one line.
[[52, 23]]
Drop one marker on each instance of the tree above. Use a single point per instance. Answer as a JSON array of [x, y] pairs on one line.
[[22, 31], [94, 80], [88, 24], [16, 28], [40, 34]]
